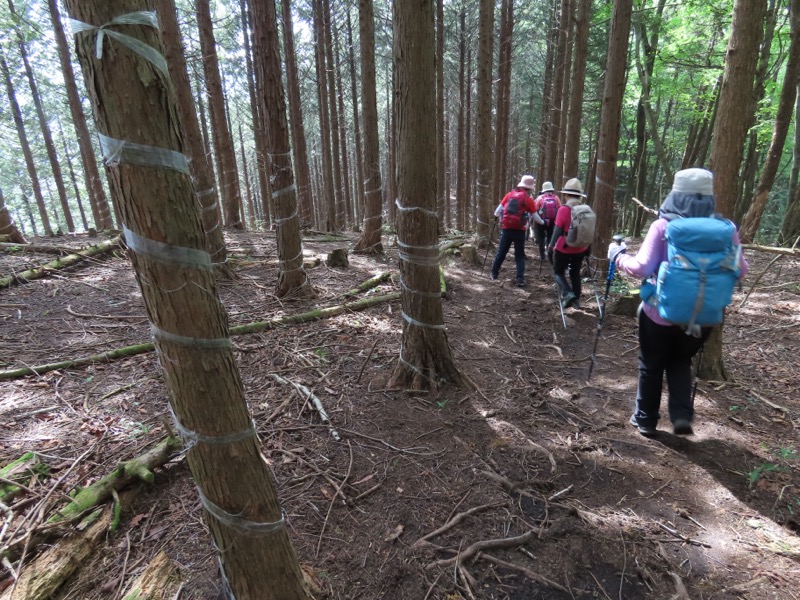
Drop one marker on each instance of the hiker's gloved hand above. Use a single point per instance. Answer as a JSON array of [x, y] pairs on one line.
[[615, 249]]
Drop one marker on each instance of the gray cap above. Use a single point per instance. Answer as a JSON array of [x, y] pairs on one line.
[[694, 181]]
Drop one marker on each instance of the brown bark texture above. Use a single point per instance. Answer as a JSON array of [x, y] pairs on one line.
[[97, 195], [292, 279], [370, 240], [572, 135], [735, 101], [223, 141], [327, 184], [336, 150], [359, 162], [485, 143], [608, 143], [181, 298], [783, 118], [441, 150], [503, 103], [202, 171], [44, 127], [560, 178], [347, 196], [302, 174], [426, 359], [554, 107], [461, 175], [30, 164], [7, 226]]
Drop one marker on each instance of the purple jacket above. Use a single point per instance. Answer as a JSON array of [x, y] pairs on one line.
[[649, 258]]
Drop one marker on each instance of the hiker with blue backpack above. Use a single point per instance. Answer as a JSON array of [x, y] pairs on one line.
[[692, 261], [514, 211], [544, 218], [572, 234]]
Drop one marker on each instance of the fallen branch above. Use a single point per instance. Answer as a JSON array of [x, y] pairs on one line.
[[42, 578], [646, 209], [472, 550], [104, 357], [772, 249], [59, 263], [115, 317], [369, 284], [160, 579], [309, 396], [767, 268], [38, 249], [140, 468], [682, 537], [541, 579], [17, 472], [452, 523]]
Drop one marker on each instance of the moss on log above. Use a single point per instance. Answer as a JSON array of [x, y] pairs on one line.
[[20, 471], [140, 468], [160, 580], [104, 357], [59, 263], [369, 284]]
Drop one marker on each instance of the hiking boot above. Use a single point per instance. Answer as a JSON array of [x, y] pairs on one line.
[[492, 276], [576, 303], [645, 430], [682, 427], [567, 300], [521, 283]]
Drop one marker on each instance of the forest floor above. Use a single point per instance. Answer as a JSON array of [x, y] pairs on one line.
[[536, 451]]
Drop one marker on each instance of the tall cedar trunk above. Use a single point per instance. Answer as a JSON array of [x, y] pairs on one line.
[[730, 130], [299, 150], [547, 89], [19, 123], [370, 240], [461, 150], [97, 195], [558, 165], [426, 359], [441, 148], [795, 172], [503, 99], [248, 193], [202, 173], [347, 196], [28, 208], [44, 126], [257, 111], [336, 151], [73, 179], [572, 135], [790, 227], [753, 155], [608, 144], [554, 107], [469, 169], [781, 129], [328, 186], [7, 226], [292, 279], [182, 301], [391, 154], [223, 141], [645, 72], [485, 144], [359, 157]]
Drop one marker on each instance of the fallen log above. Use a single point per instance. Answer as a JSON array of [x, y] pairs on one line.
[[160, 580], [104, 357], [140, 468], [42, 578], [59, 263], [37, 248], [772, 249], [369, 284]]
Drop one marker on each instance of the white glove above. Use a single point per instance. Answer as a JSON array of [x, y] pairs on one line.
[[615, 249]]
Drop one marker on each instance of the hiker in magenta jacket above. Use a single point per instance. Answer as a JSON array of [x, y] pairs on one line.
[[664, 347], [567, 258]]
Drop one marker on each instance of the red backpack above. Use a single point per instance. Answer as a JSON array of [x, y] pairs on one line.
[[548, 208], [514, 214]]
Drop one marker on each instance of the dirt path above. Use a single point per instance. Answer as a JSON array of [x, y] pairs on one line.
[[539, 461]]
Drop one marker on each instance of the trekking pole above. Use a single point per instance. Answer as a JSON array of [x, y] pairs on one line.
[[602, 319], [489, 245], [561, 306]]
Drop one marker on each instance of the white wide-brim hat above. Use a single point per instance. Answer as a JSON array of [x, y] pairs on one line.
[[574, 187]]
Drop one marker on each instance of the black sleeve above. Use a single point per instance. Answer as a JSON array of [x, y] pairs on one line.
[[557, 233]]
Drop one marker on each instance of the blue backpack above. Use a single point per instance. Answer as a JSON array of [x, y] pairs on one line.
[[697, 280]]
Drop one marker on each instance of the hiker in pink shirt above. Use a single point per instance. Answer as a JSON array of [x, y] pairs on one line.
[[664, 347]]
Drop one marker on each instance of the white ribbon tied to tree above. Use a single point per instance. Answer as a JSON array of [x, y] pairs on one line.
[[147, 18]]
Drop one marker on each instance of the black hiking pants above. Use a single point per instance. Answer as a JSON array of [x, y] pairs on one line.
[[665, 348], [508, 237], [543, 235], [572, 262]]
